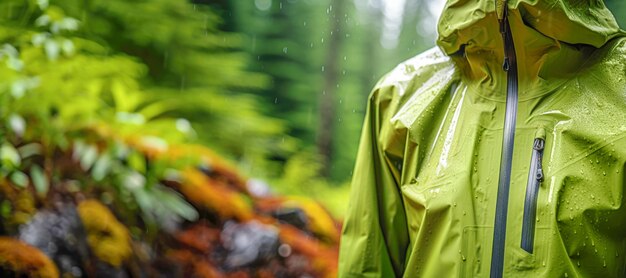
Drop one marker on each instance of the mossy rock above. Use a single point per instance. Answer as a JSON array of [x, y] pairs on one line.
[[22, 260], [108, 239]]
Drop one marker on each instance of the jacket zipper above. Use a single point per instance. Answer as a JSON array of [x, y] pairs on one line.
[[535, 177], [506, 160]]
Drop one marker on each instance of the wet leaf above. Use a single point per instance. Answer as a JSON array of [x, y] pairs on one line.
[[102, 167], [134, 181], [88, 157], [9, 157], [19, 179], [18, 124], [29, 150], [5, 208], [40, 180], [52, 49], [175, 203], [137, 162]]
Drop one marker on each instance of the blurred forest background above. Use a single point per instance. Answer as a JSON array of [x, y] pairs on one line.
[[182, 115]]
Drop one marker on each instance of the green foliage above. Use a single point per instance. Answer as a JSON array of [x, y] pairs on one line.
[[301, 177], [177, 78], [62, 90], [189, 70]]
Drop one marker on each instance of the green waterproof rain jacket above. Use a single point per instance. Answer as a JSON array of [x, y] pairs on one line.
[[501, 153]]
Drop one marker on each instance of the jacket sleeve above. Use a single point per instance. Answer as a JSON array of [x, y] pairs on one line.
[[374, 237]]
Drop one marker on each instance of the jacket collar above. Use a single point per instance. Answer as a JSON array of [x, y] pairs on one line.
[[554, 40]]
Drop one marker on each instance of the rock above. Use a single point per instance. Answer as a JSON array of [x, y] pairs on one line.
[[249, 243], [293, 216], [60, 236], [105, 270]]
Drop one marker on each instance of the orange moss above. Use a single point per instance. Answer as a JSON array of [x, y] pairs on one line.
[[207, 193], [108, 239], [24, 260], [223, 170], [199, 237], [320, 221]]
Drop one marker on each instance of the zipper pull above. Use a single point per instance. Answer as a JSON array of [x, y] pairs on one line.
[[535, 178], [538, 146]]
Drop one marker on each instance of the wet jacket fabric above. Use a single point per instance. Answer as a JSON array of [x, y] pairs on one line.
[[434, 147]]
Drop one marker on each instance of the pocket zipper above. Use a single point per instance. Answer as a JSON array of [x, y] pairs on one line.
[[535, 177]]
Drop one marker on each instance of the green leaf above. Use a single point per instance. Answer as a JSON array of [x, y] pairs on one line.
[[52, 49], [88, 157], [173, 202], [102, 167], [5, 209], [78, 149], [124, 102], [133, 181], [145, 203], [29, 150], [40, 180], [137, 162], [9, 156], [19, 179], [18, 124], [43, 4]]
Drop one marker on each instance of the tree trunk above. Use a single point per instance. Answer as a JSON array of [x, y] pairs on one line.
[[331, 77]]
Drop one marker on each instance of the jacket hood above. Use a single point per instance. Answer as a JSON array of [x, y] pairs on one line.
[[466, 22]]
